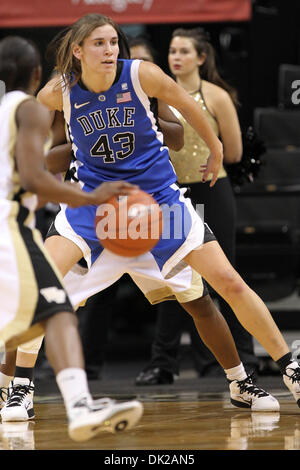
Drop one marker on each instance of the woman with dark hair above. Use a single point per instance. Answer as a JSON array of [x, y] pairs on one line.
[[192, 63], [142, 49], [33, 299]]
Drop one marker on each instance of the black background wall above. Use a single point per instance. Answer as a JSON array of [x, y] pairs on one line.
[[249, 53]]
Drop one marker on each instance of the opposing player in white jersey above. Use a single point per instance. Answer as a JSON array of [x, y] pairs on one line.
[[33, 299]]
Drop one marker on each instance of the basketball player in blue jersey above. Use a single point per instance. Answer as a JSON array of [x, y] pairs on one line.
[[33, 297], [114, 135]]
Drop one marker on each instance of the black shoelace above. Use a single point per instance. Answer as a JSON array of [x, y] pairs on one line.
[[246, 385], [296, 375], [17, 394], [3, 393]]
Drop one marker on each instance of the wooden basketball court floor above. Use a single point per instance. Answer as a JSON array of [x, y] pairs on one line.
[[190, 415]]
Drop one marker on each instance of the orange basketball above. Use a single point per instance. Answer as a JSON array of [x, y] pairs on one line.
[[129, 225]]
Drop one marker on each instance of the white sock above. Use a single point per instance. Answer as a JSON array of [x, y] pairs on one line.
[[236, 373], [5, 379], [73, 384]]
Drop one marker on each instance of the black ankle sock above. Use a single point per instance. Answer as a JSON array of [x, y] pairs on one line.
[[24, 372], [284, 361]]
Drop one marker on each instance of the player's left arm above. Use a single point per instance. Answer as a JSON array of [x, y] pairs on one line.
[[156, 83]]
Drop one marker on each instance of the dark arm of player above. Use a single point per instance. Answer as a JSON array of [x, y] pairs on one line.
[[33, 121], [58, 129], [171, 127], [59, 156]]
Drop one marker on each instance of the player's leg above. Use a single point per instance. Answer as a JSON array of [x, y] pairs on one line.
[[19, 405], [81, 287], [55, 313], [7, 370], [213, 330], [67, 361], [215, 333], [223, 224], [192, 293], [57, 246], [210, 261], [205, 256], [64, 253], [68, 364], [86, 417]]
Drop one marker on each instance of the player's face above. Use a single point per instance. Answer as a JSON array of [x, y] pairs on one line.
[[99, 51], [183, 58], [140, 52]]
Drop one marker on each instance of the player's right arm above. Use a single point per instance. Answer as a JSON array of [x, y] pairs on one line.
[[59, 157], [51, 95], [33, 121]]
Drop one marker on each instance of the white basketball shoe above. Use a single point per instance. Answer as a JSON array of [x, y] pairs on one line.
[[89, 418], [245, 394], [19, 403], [291, 378]]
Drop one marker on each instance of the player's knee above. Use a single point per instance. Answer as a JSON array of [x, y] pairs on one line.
[[201, 307], [233, 286]]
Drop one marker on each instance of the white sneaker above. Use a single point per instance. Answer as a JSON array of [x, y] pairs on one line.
[[291, 378], [19, 403], [87, 419], [3, 396], [244, 394]]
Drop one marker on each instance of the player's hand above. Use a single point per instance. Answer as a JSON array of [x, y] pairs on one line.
[[213, 165], [114, 188]]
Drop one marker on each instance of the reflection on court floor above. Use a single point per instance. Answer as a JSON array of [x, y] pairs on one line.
[[170, 422]]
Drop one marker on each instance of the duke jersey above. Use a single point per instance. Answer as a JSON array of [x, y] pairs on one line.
[[115, 135]]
